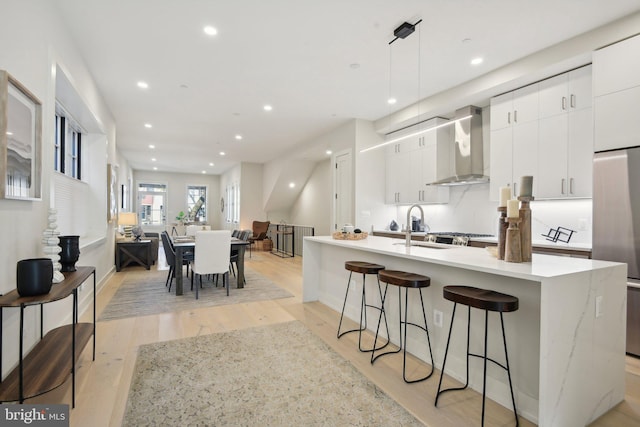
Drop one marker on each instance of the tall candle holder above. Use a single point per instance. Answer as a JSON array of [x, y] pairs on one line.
[[525, 227], [513, 250], [51, 249], [502, 230]]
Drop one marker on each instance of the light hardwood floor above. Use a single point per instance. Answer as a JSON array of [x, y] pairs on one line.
[[103, 384]]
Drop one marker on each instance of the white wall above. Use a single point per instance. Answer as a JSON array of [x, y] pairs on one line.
[[177, 192], [251, 195], [313, 206], [34, 46]]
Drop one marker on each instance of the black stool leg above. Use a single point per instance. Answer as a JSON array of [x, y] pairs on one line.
[[506, 358], [446, 351], [375, 341], [484, 374], [382, 313], [406, 323], [344, 304]]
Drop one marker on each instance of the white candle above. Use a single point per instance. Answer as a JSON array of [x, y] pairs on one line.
[[513, 208], [526, 186], [505, 194]]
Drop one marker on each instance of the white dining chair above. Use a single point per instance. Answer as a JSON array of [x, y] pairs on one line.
[[212, 254]]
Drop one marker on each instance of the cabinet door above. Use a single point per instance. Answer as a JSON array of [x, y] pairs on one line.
[[616, 67], [501, 111], [580, 153], [580, 88], [525, 154], [501, 161], [552, 157], [393, 170], [553, 96], [525, 104], [615, 120]]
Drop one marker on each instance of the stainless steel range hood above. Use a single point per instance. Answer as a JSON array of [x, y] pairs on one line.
[[468, 157]]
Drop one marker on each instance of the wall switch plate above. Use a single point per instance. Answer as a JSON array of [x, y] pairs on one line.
[[437, 318], [599, 306]]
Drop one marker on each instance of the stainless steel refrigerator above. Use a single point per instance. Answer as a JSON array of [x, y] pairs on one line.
[[616, 224]]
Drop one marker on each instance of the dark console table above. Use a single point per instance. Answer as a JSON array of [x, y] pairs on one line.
[[51, 360]]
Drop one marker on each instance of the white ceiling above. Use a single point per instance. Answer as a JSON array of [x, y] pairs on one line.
[[318, 63]]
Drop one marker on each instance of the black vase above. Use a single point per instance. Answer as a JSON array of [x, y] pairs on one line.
[[34, 276], [70, 252]]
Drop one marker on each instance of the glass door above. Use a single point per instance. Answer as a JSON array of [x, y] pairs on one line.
[[151, 204]]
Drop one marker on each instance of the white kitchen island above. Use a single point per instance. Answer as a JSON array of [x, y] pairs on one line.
[[566, 342]]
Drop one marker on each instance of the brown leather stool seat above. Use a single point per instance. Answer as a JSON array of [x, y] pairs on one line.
[[486, 300], [364, 268], [403, 279]]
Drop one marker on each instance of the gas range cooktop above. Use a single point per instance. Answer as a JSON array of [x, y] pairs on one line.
[[452, 237]]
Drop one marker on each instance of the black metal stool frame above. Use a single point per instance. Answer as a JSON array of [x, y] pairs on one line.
[[484, 376], [363, 315], [405, 322]]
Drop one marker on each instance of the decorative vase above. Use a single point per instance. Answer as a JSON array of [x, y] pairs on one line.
[[70, 252], [34, 276]]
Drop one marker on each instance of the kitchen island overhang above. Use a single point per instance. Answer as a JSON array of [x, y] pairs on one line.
[[568, 365]]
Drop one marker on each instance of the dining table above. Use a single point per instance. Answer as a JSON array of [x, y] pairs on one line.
[[185, 244]]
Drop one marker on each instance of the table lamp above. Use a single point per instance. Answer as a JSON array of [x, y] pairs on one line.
[[127, 220]]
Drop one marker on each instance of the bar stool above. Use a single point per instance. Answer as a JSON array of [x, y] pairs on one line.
[[364, 268], [488, 301], [404, 280]]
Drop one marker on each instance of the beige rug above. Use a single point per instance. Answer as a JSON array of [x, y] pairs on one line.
[[278, 375], [144, 293]]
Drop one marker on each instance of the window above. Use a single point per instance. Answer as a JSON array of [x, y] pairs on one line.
[[151, 204], [196, 202], [233, 203], [68, 145]]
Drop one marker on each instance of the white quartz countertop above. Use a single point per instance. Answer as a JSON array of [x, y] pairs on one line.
[[477, 259]]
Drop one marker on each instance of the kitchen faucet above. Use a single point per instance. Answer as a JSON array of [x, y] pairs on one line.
[[408, 231]]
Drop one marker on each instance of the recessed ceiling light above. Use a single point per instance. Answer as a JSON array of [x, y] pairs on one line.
[[143, 85], [354, 66], [183, 86], [392, 101], [153, 159], [292, 184], [466, 40], [329, 152], [9, 133], [148, 125], [211, 164], [238, 137], [476, 61], [209, 30], [204, 171], [267, 108], [222, 153], [152, 146], [155, 168]]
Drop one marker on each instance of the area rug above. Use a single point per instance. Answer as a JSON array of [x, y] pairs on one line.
[[277, 375], [144, 293]]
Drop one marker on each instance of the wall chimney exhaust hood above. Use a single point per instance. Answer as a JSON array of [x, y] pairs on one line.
[[468, 156]]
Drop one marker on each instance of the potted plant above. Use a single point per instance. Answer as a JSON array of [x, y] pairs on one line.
[[181, 218]]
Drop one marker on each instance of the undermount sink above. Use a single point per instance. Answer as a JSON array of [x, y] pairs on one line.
[[426, 245]]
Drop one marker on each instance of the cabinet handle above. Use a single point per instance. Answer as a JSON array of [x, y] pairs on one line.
[[570, 185], [562, 186], [573, 101], [509, 117], [515, 116], [564, 102], [514, 191]]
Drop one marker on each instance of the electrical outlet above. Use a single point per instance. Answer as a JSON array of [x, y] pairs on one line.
[[599, 306], [437, 318], [582, 224]]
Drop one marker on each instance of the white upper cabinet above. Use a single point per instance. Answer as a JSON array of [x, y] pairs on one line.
[[513, 108], [566, 92], [616, 89], [565, 146], [554, 144], [616, 67], [417, 161]]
